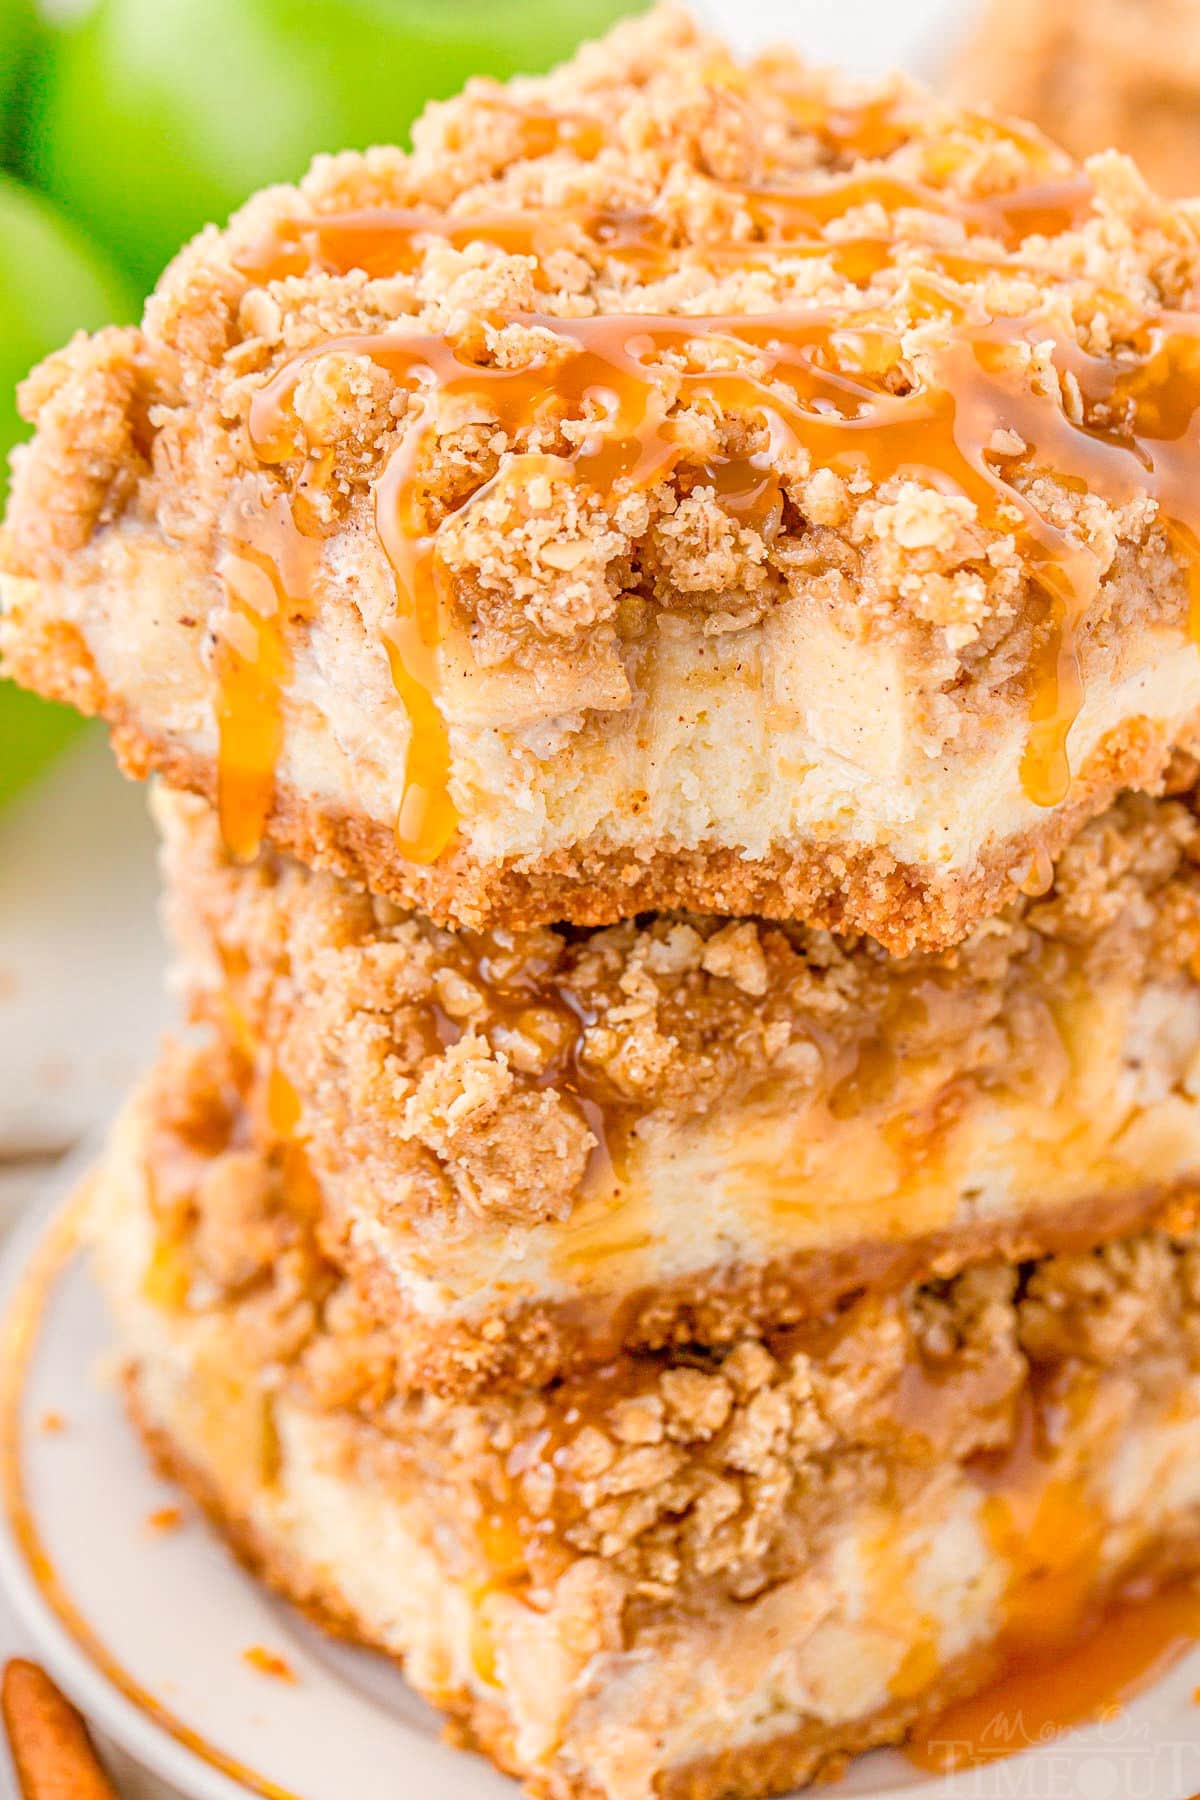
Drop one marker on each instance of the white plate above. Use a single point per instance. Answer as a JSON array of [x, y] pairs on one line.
[[147, 1630]]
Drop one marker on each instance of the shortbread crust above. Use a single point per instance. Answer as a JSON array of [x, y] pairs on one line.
[[800, 525], [535, 1149]]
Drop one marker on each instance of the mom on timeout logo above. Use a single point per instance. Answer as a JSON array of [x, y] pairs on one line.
[[1121, 1757]]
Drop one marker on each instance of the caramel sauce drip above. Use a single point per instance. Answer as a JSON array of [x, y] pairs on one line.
[[874, 128], [1066, 1653], [516, 1542], [389, 241], [531, 1015], [788, 220], [920, 1406], [751, 495], [1046, 1528], [283, 1115], [870, 130], [1036, 875], [542, 131], [1044, 209], [982, 421], [1114, 1655], [267, 575], [283, 1107]]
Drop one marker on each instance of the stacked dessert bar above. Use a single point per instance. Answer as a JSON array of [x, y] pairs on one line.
[[667, 621], [1121, 72]]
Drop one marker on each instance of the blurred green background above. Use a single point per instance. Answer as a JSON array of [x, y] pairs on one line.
[[127, 127]]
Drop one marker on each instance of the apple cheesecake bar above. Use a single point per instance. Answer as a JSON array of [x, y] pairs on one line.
[[675, 483], [1122, 72], [537, 1149], [696, 1574]]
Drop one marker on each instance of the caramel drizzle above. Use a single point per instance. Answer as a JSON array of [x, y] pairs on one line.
[[1071, 1646], [788, 221], [391, 241], [870, 130], [805, 211], [526, 996], [542, 130], [873, 129], [598, 395], [267, 573], [1119, 1649], [388, 241]]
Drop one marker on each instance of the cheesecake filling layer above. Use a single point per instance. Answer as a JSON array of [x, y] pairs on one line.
[[719, 744]]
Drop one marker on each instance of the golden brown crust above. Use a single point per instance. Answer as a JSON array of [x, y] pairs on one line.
[[396, 1036], [693, 1475], [835, 887], [404, 1127], [839, 889], [538, 1342]]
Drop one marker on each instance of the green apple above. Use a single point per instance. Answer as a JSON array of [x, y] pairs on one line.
[[154, 119], [16, 37], [51, 283], [16, 21]]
